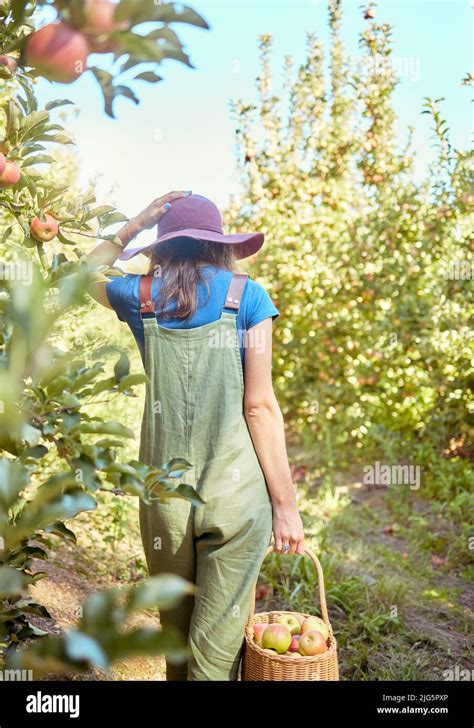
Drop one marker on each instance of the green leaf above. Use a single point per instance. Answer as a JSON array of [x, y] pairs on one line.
[[59, 102], [149, 76], [149, 641], [13, 478], [63, 239], [12, 582], [37, 516], [98, 211], [103, 385], [40, 159], [187, 491], [111, 92], [176, 467], [122, 367], [38, 610], [35, 453], [141, 11], [81, 648], [59, 529], [106, 428], [131, 380], [163, 592]]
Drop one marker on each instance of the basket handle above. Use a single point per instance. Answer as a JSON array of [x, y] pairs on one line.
[[322, 592]]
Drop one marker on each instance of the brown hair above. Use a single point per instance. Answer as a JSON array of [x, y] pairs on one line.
[[179, 264]]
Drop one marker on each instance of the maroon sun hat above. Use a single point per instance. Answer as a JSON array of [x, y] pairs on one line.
[[198, 218]]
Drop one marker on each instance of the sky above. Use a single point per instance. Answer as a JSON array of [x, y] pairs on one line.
[[181, 136]]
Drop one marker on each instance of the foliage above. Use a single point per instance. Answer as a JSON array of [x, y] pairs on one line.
[[370, 269], [58, 451], [99, 639], [129, 45]]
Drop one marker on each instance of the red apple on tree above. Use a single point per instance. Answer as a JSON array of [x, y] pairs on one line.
[[100, 22], [312, 643], [3, 163], [57, 52], [315, 623], [44, 231], [258, 630], [10, 175], [276, 637], [99, 17], [290, 621], [9, 63]]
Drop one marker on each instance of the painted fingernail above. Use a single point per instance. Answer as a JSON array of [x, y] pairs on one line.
[[168, 205]]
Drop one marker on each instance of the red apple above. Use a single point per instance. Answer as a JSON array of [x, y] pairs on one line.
[[100, 22], [312, 643], [276, 637], [57, 52], [294, 646], [258, 630], [3, 163], [290, 621], [99, 17], [10, 175], [9, 63], [45, 231], [315, 623]]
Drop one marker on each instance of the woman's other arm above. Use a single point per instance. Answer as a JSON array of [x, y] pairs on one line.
[[266, 426]]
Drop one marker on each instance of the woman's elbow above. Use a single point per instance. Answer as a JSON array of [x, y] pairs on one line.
[[258, 408]]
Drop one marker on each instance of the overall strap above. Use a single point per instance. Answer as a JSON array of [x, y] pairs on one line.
[[235, 290], [147, 305]]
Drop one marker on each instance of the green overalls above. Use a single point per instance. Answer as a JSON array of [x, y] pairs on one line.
[[194, 410]]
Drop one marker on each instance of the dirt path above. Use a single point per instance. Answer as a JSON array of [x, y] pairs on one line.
[[64, 591]]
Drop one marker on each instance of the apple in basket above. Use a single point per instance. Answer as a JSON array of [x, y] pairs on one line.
[[276, 637], [312, 643], [258, 630], [290, 621], [315, 623], [294, 646]]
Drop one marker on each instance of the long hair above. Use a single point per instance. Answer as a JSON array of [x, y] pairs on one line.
[[178, 263]]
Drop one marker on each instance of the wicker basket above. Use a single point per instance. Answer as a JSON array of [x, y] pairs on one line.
[[260, 665]]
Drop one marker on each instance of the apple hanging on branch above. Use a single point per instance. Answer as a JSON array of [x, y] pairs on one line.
[[7, 66], [44, 230], [59, 51], [10, 175]]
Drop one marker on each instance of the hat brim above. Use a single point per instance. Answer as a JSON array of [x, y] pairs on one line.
[[246, 244]]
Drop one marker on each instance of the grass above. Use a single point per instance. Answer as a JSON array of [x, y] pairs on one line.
[[395, 567]]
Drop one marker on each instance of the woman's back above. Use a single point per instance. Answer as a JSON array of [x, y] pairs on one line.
[[256, 306]]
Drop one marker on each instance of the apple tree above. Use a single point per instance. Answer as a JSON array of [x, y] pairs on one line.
[[56, 455], [370, 267]]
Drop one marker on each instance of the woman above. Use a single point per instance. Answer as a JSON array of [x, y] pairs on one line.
[[210, 400]]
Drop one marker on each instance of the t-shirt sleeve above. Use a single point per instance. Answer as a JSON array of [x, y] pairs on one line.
[[121, 293], [258, 305]]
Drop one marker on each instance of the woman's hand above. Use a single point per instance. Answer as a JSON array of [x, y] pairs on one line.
[[148, 217], [288, 530]]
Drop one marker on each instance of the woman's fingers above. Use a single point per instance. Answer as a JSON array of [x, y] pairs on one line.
[[300, 548], [170, 196]]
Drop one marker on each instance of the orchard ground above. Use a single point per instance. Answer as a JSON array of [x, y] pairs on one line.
[[399, 609]]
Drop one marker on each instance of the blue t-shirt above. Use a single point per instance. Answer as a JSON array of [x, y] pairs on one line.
[[255, 304]]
